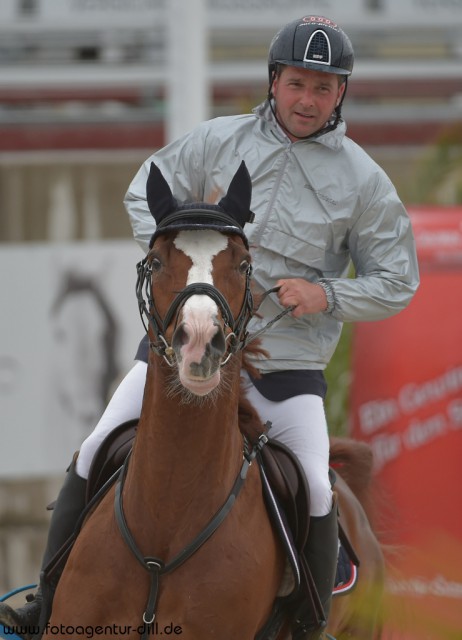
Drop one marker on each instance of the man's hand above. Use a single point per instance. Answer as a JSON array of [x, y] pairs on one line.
[[305, 296]]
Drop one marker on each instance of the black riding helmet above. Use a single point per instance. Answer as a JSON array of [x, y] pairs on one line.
[[312, 42]]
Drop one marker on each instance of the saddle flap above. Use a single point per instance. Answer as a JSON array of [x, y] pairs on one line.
[[288, 481], [110, 456]]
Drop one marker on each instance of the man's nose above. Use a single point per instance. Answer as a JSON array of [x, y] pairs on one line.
[[307, 98]]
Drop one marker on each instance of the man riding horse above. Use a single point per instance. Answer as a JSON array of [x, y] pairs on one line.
[[320, 202]]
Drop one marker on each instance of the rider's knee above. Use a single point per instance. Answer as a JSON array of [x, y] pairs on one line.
[[320, 496]]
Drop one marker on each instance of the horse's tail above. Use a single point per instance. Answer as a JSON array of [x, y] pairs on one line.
[[353, 460]]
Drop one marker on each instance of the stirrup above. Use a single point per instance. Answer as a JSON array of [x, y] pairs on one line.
[[22, 619]]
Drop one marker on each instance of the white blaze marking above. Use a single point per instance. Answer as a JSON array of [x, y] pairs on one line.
[[201, 247]]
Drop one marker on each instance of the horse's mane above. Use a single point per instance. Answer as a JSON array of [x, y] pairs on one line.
[[250, 423]]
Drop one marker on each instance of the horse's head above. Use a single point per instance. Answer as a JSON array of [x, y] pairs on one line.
[[194, 285]]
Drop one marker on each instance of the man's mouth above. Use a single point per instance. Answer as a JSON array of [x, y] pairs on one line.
[[306, 116]]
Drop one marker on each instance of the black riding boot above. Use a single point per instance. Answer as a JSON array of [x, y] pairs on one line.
[[67, 510], [321, 553]]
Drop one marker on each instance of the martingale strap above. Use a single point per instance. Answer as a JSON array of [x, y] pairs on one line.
[[155, 566]]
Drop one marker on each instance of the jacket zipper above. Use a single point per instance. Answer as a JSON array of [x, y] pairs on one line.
[[274, 193]]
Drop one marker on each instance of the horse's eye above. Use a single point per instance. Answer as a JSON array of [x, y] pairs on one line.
[[156, 265], [244, 266]]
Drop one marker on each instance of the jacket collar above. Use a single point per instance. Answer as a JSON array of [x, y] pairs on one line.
[[332, 139]]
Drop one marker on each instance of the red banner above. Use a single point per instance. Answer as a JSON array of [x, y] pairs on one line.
[[407, 403]]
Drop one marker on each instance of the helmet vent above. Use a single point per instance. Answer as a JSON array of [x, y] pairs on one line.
[[318, 49]]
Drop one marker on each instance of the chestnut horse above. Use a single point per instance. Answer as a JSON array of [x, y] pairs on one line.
[[159, 563], [183, 544]]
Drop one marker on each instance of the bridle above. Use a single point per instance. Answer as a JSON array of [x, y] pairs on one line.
[[236, 335]]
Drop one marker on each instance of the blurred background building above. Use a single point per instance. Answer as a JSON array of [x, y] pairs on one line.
[[89, 89], [84, 86]]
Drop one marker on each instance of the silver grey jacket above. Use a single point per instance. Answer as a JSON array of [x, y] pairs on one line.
[[319, 205]]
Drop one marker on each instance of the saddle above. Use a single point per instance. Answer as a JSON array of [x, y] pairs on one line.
[[110, 457]]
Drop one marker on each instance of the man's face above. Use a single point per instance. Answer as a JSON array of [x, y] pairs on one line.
[[305, 99]]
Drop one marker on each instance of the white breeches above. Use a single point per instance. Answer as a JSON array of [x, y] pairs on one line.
[[124, 405], [299, 423]]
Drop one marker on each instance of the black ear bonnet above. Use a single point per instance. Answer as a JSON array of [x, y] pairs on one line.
[[228, 216]]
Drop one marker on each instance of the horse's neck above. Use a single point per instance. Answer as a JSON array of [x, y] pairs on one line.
[[186, 456]]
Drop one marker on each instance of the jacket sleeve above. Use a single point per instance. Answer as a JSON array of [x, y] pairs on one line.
[[383, 252], [181, 165]]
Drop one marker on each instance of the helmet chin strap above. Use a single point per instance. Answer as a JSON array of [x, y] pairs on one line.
[[320, 132]]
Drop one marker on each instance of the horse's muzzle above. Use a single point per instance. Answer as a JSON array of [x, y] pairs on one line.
[[199, 355]]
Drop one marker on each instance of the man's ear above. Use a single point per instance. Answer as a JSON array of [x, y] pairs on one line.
[[275, 81], [341, 91]]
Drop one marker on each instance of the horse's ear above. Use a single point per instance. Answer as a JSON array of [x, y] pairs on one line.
[[159, 195], [237, 201]]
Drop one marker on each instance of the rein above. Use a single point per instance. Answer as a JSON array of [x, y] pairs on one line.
[[157, 567], [270, 323]]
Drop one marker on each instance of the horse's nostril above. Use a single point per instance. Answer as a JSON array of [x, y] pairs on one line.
[[180, 337], [218, 342]]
